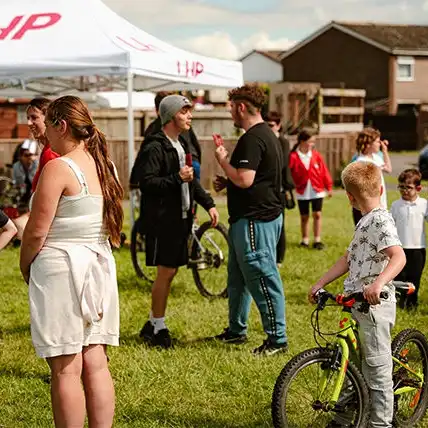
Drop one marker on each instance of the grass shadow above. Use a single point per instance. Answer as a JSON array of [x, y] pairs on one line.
[[17, 372], [19, 330]]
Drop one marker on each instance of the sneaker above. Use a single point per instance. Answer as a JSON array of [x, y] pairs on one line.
[[146, 333], [304, 245], [162, 339], [269, 348], [228, 337], [319, 246]]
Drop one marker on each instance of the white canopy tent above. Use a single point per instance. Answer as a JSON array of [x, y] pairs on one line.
[[44, 44]]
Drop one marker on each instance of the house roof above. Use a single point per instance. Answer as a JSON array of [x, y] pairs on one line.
[[394, 39], [274, 55], [408, 37]]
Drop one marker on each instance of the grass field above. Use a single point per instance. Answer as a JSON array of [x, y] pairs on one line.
[[199, 383]]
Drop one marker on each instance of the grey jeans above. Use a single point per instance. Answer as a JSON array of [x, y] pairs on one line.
[[375, 337]]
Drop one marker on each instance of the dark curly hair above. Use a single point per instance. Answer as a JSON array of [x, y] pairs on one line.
[[253, 96], [410, 174], [366, 137]]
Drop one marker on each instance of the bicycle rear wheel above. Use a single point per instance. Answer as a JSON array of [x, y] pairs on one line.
[[138, 255], [299, 401], [208, 260], [410, 346]]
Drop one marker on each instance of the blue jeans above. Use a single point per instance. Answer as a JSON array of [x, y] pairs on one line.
[[253, 273]]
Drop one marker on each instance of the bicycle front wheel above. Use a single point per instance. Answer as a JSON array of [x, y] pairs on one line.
[[138, 255], [208, 260], [410, 347], [303, 391]]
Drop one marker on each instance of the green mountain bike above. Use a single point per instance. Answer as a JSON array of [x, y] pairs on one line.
[[320, 386]]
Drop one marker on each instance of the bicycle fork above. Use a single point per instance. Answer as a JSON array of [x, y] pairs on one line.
[[338, 363]]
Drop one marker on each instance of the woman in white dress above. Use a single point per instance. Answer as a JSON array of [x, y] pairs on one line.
[[67, 261]]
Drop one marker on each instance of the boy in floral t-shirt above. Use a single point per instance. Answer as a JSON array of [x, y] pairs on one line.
[[373, 259]]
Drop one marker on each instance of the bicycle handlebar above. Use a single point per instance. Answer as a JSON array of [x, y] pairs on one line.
[[350, 299]]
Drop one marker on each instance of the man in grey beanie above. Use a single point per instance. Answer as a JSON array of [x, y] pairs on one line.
[[168, 189]]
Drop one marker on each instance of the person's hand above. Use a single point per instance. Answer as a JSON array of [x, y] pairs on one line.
[[384, 145], [214, 216], [330, 193], [372, 293], [220, 183], [312, 293], [186, 173], [221, 154]]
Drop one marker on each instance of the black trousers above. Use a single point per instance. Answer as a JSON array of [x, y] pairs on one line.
[[412, 272]]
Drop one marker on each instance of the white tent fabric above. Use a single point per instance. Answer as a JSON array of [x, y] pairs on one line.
[[59, 38], [84, 37], [140, 100]]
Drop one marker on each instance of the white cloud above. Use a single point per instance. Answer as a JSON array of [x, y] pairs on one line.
[[221, 45]]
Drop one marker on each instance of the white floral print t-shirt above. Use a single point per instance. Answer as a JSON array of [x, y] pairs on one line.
[[374, 233]]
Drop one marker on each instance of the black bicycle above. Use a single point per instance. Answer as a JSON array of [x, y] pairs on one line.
[[208, 250]]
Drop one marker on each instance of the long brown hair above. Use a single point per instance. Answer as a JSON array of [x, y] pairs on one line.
[[39, 103], [72, 110], [366, 137]]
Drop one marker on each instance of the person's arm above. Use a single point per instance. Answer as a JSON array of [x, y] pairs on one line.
[[51, 185], [387, 167], [240, 177], [7, 230], [246, 156], [149, 173], [328, 181], [206, 201], [336, 271], [397, 261]]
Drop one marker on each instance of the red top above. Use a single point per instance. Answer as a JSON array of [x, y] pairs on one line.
[[46, 155], [318, 173]]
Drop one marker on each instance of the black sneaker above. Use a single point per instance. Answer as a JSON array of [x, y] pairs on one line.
[[268, 348], [228, 337], [319, 246], [162, 339], [147, 332], [304, 245]]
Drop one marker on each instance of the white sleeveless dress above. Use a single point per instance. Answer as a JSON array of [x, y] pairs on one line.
[[73, 291]]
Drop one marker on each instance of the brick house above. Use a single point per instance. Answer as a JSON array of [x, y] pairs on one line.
[[389, 61]]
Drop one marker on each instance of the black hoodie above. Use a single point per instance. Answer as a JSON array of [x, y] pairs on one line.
[[160, 185]]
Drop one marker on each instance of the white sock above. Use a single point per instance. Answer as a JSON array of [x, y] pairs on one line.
[[305, 240], [158, 324], [151, 317], [317, 239]]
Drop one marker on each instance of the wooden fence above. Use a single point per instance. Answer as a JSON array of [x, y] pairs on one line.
[[337, 150]]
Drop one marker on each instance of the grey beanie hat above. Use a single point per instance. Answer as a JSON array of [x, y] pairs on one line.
[[171, 105]]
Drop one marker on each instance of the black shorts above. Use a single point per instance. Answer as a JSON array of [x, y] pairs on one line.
[[304, 205], [168, 249]]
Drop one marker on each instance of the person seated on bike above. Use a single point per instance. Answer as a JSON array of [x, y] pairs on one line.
[[373, 259], [24, 170], [7, 230], [168, 189], [154, 128]]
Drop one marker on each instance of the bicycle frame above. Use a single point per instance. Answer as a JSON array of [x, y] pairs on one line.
[[347, 335], [343, 340], [193, 238]]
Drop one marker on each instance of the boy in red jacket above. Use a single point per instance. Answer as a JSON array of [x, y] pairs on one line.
[[313, 181]]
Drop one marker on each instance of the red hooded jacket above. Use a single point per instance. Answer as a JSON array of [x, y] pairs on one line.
[[318, 173]]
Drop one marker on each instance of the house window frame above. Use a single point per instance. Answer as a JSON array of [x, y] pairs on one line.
[[406, 60]]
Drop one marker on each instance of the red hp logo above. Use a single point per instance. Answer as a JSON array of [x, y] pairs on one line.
[[19, 25]]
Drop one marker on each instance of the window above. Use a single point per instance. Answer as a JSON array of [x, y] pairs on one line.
[[405, 69]]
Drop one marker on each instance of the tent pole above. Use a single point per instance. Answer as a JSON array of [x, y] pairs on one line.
[[131, 142]]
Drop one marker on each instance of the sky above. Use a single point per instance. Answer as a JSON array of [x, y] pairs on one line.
[[229, 29]]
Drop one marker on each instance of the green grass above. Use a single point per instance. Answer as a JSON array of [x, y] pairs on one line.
[[199, 383]]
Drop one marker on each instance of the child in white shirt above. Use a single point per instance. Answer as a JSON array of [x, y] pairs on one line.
[[410, 213]]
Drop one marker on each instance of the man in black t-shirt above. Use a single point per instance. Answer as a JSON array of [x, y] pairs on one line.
[[254, 183], [7, 230]]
